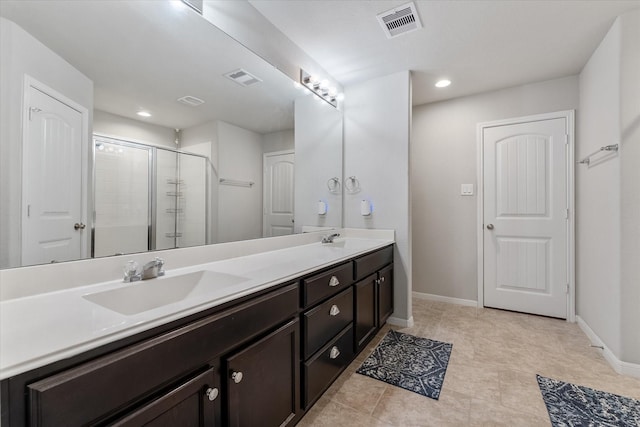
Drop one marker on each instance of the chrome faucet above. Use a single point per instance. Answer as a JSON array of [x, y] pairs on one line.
[[133, 273], [329, 238], [153, 269]]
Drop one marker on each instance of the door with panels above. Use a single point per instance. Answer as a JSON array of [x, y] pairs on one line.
[[525, 211]]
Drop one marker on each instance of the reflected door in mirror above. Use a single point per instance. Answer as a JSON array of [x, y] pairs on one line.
[[278, 193], [52, 226]]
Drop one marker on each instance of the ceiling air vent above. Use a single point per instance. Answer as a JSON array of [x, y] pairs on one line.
[[242, 77], [191, 101], [401, 20]]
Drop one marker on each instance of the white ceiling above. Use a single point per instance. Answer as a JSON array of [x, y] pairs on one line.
[[478, 45], [147, 54]]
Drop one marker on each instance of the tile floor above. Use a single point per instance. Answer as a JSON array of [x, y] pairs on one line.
[[491, 378]]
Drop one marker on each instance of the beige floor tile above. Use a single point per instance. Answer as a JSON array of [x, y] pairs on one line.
[[472, 379], [333, 414], [361, 393], [492, 414], [520, 391], [400, 407]]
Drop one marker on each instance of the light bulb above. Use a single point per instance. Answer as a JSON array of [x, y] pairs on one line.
[[443, 83]]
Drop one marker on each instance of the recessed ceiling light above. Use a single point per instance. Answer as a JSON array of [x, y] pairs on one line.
[[144, 114], [443, 83]]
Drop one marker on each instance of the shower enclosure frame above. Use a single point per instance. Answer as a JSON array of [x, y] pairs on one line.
[[152, 187]]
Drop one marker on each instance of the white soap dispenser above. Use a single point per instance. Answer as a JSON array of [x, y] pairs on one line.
[[365, 208], [322, 207]]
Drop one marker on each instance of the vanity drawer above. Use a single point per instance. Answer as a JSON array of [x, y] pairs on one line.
[[324, 321], [369, 264], [97, 389], [327, 283], [326, 365]]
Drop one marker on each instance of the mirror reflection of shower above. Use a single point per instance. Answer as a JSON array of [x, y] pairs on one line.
[[148, 198]]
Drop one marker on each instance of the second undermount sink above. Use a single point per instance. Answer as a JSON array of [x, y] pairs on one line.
[[142, 296]]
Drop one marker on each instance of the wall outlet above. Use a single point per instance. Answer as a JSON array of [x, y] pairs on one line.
[[466, 189]]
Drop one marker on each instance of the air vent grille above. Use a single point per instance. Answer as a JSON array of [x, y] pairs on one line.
[[400, 20], [242, 77], [191, 101]]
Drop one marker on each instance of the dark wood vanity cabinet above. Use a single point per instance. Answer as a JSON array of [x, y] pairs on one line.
[[263, 360], [373, 294], [263, 380]]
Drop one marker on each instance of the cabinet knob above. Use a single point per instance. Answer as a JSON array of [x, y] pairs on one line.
[[382, 279], [334, 311], [236, 377], [334, 281], [212, 393], [335, 352]]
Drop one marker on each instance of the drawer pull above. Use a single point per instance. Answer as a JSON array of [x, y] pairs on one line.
[[212, 393], [236, 377], [334, 311], [335, 352], [334, 281]]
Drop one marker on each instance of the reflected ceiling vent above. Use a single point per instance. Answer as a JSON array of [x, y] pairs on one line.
[[401, 20], [191, 101], [242, 77]]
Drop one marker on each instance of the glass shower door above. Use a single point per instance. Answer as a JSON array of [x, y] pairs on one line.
[[121, 198]]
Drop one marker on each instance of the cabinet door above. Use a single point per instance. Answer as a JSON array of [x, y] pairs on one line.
[[192, 404], [365, 310], [263, 380], [385, 294]]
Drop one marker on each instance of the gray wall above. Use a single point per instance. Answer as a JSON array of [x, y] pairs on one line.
[[377, 128], [278, 141], [115, 126], [443, 156], [608, 193]]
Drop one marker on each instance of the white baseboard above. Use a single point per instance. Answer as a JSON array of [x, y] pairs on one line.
[[450, 300], [404, 323], [623, 368]]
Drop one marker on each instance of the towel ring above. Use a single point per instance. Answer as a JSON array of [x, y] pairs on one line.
[[354, 187], [333, 184]]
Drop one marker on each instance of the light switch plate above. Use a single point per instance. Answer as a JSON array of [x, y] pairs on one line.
[[466, 189]]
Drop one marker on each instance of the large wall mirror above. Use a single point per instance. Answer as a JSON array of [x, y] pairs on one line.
[[138, 125]]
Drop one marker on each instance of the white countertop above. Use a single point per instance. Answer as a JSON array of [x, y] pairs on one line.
[[41, 329]]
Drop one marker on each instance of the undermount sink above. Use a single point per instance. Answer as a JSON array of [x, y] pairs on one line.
[[138, 297], [349, 243]]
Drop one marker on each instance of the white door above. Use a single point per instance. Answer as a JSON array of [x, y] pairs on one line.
[[52, 226], [278, 194], [526, 217]]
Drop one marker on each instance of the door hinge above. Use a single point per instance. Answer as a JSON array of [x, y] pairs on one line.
[[33, 110], [28, 211], [566, 214], [566, 139], [567, 288]]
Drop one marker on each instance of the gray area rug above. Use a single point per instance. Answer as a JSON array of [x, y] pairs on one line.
[[573, 405], [412, 363]]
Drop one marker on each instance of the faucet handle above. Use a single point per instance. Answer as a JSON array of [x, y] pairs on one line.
[[131, 271], [160, 265]]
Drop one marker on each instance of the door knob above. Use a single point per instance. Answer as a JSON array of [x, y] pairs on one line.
[[79, 226], [236, 377], [489, 226]]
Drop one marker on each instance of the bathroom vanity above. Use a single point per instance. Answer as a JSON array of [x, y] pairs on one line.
[[262, 356]]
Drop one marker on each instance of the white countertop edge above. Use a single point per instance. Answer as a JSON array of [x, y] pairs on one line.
[[383, 239]]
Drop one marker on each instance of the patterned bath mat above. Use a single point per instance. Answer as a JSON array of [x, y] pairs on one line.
[[413, 363], [573, 405]]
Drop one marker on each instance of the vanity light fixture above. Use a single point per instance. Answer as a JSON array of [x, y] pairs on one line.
[[443, 83], [321, 88], [144, 114]]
